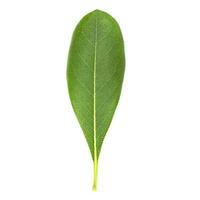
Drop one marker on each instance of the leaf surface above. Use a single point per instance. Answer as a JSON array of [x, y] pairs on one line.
[[95, 72]]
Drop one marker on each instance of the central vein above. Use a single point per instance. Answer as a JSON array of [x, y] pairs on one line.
[[95, 66], [94, 102]]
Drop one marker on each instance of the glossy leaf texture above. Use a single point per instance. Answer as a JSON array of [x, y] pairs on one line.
[[95, 72]]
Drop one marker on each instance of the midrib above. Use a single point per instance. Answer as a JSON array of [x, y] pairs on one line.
[[94, 101], [95, 65]]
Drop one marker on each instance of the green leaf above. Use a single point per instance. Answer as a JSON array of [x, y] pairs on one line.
[[95, 72]]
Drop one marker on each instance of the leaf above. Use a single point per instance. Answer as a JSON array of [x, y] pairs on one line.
[[95, 71]]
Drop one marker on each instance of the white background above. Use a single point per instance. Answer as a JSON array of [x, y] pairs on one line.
[[152, 149]]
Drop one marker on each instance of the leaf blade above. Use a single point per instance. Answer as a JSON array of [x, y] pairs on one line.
[[95, 75]]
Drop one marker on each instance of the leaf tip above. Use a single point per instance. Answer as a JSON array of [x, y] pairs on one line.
[[96, 11]]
